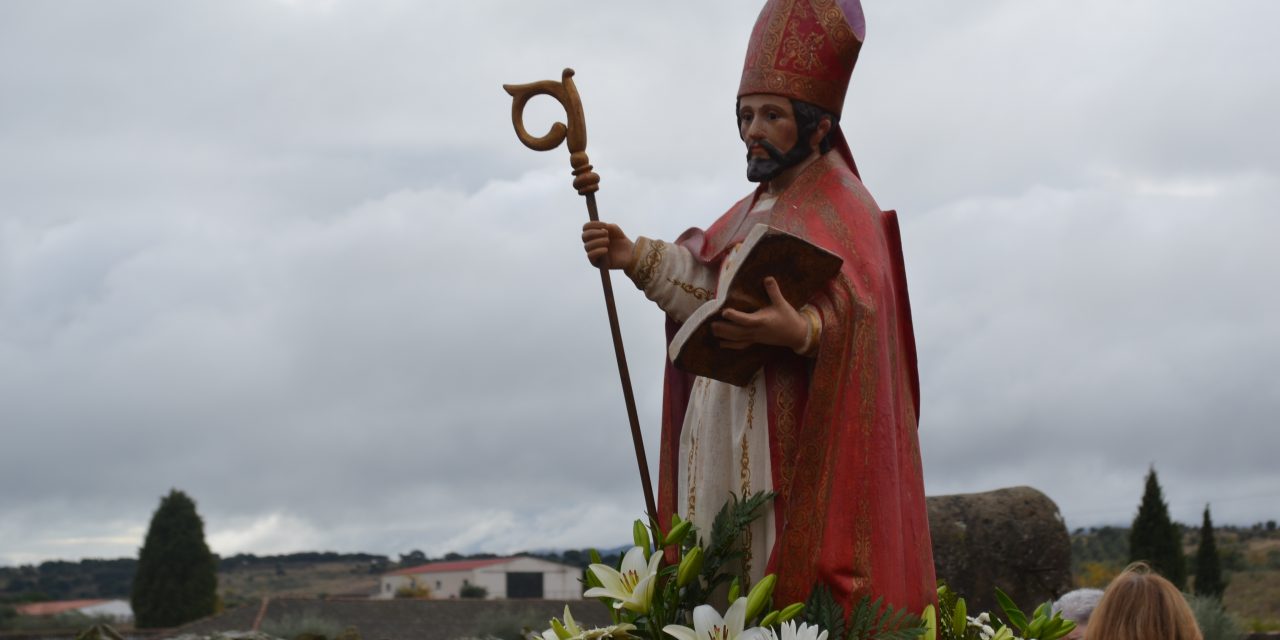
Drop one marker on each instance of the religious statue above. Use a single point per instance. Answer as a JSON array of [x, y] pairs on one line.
[[829, 422]]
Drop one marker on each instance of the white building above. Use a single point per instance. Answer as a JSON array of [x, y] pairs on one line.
[[502, 578], [118, 610]]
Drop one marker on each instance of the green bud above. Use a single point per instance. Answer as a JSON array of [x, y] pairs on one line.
[[559, 629], [677, 533], [790, 611], [930, 617], [960, 624], [759, 596], [771, 619], [734, 589], [640, 534], [690, 566], [1036, 627], [595, 556]]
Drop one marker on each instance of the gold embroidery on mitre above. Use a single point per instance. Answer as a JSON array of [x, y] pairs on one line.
[[800, 50], [812, 64]]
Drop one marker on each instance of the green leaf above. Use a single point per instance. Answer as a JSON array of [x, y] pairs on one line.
[[1016, 616], [822, 610], [879, 621]]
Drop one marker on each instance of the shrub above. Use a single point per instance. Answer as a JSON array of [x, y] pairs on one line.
[[1215, 623], [417, 592], [305, 624]]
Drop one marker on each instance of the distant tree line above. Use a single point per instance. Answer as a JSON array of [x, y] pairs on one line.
[[1207, 553], [94, 578], [573, 557], [252, 561], [62, 580]]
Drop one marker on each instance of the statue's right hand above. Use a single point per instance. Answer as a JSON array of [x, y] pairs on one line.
[[606, 245]]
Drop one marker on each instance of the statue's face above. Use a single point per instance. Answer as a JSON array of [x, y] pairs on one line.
[[767, 124]]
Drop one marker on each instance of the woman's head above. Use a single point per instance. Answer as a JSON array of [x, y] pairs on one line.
[[1141, 605]]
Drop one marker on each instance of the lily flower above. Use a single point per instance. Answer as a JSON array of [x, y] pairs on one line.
[[790, 631], [569, 630], [630, 588], [708, 625], [611, 632]]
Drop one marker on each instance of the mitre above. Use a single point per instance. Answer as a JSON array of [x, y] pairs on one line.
[[805, 50]]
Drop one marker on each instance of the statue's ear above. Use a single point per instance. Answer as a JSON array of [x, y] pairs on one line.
[[820, 131]]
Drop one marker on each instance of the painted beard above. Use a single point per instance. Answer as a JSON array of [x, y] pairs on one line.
[[765, 169]]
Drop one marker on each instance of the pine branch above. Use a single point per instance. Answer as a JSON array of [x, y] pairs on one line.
[[822, 610], [879, 621], [726, 535]]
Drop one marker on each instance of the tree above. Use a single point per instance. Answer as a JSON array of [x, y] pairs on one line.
[[1209, 580], [1155, 539], [177, 579]]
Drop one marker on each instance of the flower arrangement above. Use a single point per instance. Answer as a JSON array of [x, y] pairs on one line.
[[950, 620], [664, 586]]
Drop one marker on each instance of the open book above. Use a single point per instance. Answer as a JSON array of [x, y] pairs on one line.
[[801, 268]]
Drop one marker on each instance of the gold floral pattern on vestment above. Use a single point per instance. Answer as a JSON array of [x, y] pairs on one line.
[[700, 293], [744, 471], [649, 263]]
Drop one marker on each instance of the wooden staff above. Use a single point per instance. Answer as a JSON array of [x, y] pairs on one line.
[[587, 182]]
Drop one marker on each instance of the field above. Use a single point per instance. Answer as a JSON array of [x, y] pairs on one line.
[[319, 579]]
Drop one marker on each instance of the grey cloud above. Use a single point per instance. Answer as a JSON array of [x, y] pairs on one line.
[[290, 258]]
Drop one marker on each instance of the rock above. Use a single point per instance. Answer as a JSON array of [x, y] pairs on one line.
[[1012, 538]]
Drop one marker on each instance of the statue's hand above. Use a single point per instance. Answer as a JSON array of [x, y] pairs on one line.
[[606, 245], [778, 324]]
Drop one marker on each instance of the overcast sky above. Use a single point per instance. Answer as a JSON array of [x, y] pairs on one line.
[[289, 257]]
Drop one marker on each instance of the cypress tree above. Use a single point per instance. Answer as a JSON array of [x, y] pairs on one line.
[[1209, 580], [177, 579], [1155, 539]]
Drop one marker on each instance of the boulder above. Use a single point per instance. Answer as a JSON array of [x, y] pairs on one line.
[[1012, 538]]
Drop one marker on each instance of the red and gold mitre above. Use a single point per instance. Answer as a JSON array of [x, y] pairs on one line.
[[805, 50]]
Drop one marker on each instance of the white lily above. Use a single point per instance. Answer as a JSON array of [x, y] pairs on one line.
[[708, 625], [632, 587], [790, 631], [612, 631], [570, 627], [574, 632]]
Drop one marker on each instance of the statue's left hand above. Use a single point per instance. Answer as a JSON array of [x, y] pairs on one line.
[[778, 324]]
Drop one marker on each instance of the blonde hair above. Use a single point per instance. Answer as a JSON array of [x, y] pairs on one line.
[[1142, 605]]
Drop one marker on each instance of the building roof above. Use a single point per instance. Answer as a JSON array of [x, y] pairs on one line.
[[456, 565], [55, 607]]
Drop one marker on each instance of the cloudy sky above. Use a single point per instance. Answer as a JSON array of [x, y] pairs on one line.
[[289, 257]]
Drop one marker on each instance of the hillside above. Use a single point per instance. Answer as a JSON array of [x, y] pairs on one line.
[[1250, 558], [241, 578]]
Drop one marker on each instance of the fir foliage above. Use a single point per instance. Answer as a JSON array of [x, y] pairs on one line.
[[1155, 539], [726, 544], [869, 619], [177, 577], [1209, 580]]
